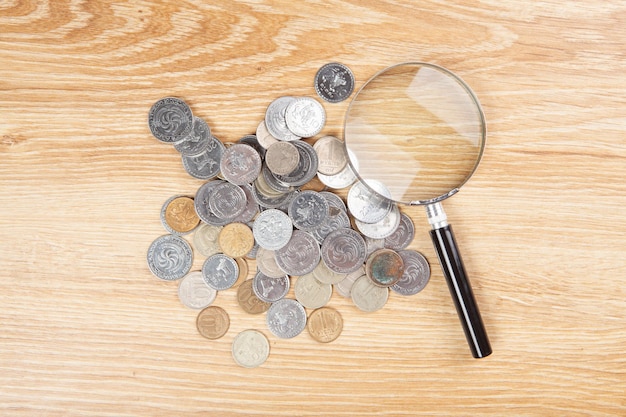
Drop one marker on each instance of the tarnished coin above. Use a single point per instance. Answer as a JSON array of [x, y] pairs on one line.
[[325, 324], [193, 291], [368, 296], [334, 82], [264, 137], [206, 164], [213, 322], [286, 318], [344, 178], [178, 215], [197, 141], [227, 201], [384, 267], [369, 205], [236, 240], [308, 210], [202, 203], [170, 119], [240, 164], [343, 251], [416, 273], [266, 263], [170, 257], [205, 239], [300, 255], [382, 228], [344, 286], [270, 289], [282, 158], [306, 169], [402, 237], [331, 154], [272, 229], [220, 272], [275, 122], [311, 293], [305, 117], [250, 348], [248, 301]]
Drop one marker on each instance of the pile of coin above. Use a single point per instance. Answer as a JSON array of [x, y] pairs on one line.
[[266, 198]]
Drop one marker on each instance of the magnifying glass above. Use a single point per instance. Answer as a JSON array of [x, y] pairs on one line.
[[419, 130]]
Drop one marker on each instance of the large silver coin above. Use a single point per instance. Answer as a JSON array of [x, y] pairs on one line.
[[416, 273], [170, 257], [336, 219], [240, 164], [220, 272], [306, 169], [282, 158], [343, 251], [228, 201], [275, 122], [170, 119], [197, 141], [205, 165], [367, 205], [344, 178], [252, 207], [272, 229], [308, 210], [305, 117], [193, 291], [382, 228], [300, 255], [334, 82], [250, 348], [270, 289], [286, 318], [201, 203], [402, 237]]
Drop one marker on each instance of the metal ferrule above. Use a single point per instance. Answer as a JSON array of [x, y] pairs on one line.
[[436, 216]]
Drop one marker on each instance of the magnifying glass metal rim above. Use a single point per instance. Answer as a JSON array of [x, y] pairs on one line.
[[481, 120]]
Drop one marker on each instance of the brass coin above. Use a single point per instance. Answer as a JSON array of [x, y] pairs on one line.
[[325, 324], [384, 267], [180, 214], [243, 271], [248, 300], [213, 322], [235, 240]]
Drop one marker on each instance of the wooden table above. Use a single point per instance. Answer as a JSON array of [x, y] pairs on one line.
[[87, 330]]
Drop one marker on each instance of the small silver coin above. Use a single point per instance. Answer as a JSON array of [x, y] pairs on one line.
[[193, 291], [286, 318], [306, 169], [270, 289], [382, 228], [250, 348], [334, 82], [305, 117], [308, 210], [300, 255], [205, 165], [416, 273], [275, 122], [197, 141], [202, 203], [240, 164], [369, 205], [170, 119], [343, 251], [227, 201], [404, 234], [220, 272], [170, 257], [312, 293], [272, 229]]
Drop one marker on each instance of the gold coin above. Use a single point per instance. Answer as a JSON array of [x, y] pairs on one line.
[[243, 271], [235, 240], [180, 215], [213, 322], [325, 324], [248, 300]]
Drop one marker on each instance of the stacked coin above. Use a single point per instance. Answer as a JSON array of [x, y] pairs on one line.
[[262, 202]]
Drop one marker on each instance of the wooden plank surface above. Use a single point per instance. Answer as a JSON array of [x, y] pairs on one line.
[[85, 329]]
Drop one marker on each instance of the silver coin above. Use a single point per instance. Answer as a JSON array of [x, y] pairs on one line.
[[300, 255], [367, 296], [305, 117], [170, 119], [205, 239], [220, 272], [306, 169], [344, 286], [227, 201], [240, 164], [275, 122], [272, 229], [205, 165], [382, 228], [308, 210], [201, 203], [266, 263], [252, 141], [286, 318], [334, 82], [264, 137], [270, 201], [369, 205], [282, 158], [197, 141], [250, 348], [272, 182], [334, 200], [270, 289], [335, 220], [311, 293], [372, 245], [404, 234], [343, 251], [416, 273], [170, 257], [193, 291], [344, 179], [251, 208], [325, 275], [331, 154]]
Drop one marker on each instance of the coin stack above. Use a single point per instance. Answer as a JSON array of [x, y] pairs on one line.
[[267, 198]]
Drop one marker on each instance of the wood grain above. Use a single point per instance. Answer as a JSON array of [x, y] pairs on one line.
[[86, 329]]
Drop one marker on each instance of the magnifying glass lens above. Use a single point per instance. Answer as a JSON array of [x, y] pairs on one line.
[[418, 129]]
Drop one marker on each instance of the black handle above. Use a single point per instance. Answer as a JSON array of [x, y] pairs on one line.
[[461, 291]]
